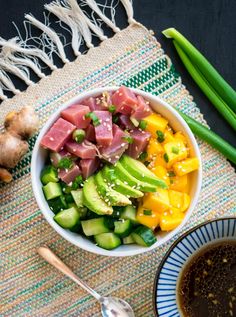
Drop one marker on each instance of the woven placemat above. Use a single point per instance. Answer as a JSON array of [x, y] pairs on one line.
[[31, 287]]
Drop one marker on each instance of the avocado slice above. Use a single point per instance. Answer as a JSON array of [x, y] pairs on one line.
[[105, 190], [92, 200], [125, 176], [120, 186], [138, 170]]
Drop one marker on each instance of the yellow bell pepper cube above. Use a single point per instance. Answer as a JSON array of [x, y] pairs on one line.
[[186, 166], [169, 137], [175, 152], [161, 172], [158, 201], [153, 149], [170, 222], [148, 217], [179, 200], [180, 183], [180, 137], [155, 123]]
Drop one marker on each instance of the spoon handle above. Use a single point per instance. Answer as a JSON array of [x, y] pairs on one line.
[[51, 258]]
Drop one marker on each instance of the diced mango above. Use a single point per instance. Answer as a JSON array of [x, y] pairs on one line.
[[159, 161], [169, 137], [180, 137], [155, 123], [161, 172], [169, 222], [180, 183], [158, 201], [151, 221], [186, 166], [154, 148], [179, 200], [175, 151]]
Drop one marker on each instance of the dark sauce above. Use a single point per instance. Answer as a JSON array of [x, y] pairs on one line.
[[207, 285]]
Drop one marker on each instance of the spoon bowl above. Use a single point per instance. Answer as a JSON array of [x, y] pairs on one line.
[[110, 306]]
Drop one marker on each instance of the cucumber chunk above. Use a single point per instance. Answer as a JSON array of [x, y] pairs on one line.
[[128, 240], [57, 204], [52, 190], [67, 218], [78, 197], [108, 240], [129, 212], [144, 236], [123, 228], [49, 174], [95, 226]]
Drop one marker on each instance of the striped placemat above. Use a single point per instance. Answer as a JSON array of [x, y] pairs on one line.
[[28, 285]]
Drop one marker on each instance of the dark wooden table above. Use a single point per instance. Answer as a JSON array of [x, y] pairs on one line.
[[210, 25]]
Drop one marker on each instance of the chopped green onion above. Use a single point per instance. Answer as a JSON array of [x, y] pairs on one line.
[[160, 136], [65, 162], [212, 138], [175, 150], [166, 157], [223, 89], [208, 90], [78, 135], [171, 174], [115, 119], [93, 117], [112, 108], [171, 181], [143, 156], [128, 138], [77, 182], [147, 212], [142, 124]]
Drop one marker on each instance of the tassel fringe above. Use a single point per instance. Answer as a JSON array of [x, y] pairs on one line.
[[17, 57]]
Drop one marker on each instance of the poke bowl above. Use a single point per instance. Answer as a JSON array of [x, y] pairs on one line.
[[116, 171]]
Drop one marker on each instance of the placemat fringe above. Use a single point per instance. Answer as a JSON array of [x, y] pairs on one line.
[[17, 57]]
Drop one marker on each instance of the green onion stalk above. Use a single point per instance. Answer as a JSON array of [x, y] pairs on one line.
[[215, 80], [211, 138]]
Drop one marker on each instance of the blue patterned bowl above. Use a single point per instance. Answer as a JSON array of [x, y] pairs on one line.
[[165, 298]]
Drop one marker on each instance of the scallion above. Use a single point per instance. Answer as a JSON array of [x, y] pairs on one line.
[[147, 212], [78, 135], [93, 117], [166, 157], [143, 156], [223, 89], [211, 94], [112, 108], [128, 138], [212, 138], [160, 136], [142, 124], [65, 162]]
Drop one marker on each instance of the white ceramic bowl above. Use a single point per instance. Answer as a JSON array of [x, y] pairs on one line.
[[39, 157]]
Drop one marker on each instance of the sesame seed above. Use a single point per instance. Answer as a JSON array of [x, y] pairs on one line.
[[66, 170], [122, 108], [74, 150], [70, 184], [51, 139], [107, 120], [120, 94], [136, 148]]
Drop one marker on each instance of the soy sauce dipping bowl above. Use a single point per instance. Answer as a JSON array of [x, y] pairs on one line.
[[167, 277], [39, 157]]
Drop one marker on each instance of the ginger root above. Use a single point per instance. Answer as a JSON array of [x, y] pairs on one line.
[[19, 126], [23, 123]]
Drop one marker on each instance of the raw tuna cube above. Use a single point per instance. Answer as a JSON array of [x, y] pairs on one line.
[[124, 100], [76, 115], [140, 141], [57, 135], [90, 102], [85, 150], [143, 110], [68, 175], [89, 166], [113, 152], [103, 131], [125, 122], [90, 133]]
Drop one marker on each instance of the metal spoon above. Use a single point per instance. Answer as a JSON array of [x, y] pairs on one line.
[[110, 306]]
